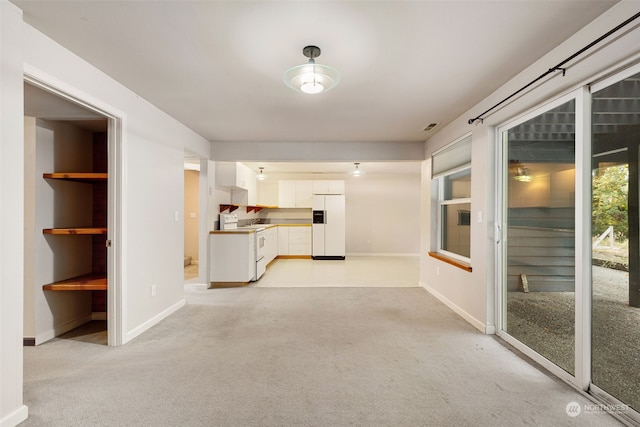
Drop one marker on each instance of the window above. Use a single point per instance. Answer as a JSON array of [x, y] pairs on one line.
[[451, 181]]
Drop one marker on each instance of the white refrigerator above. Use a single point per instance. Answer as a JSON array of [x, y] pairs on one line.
[[328, 226]]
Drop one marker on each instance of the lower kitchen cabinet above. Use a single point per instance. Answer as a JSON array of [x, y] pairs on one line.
[[271, 244], [233, 258], [294, 240]]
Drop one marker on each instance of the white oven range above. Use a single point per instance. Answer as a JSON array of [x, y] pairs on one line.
[[261, 262]]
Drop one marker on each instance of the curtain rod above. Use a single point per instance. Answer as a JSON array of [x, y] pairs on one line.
[[556, 68]]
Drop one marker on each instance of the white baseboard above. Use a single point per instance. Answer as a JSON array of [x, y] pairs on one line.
[[16, 417], [382, 254], [154, 321], [62, 328], [197, 286], [458, 310]]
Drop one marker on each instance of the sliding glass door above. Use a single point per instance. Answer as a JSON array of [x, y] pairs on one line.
[[615, 251], [569, 238], [538, 227]]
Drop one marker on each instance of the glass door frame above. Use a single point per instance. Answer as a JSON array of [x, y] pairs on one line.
[[593, 389], [582, 237]]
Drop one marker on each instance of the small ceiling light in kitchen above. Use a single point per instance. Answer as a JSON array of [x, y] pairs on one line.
[[520, 172], [261, 176], [311, 77], [356, 171]]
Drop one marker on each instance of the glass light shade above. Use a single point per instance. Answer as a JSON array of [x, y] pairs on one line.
[[311, 78], [311, 87], [356, 172], [522, 175], [261, 176]]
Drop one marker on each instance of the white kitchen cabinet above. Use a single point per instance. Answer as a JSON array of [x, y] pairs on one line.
[[268, 193], [304, 194], [294, 240], [334, 186], [299, 240], [233, 257], [232, 175], [240, 179], [271, 244], [283, 240], [295, 194], [286, 194]]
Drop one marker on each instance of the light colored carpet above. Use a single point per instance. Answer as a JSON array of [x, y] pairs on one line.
[[298, 357]]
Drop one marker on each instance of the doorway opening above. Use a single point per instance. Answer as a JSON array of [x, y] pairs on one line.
[[192, 215], [70, 289]]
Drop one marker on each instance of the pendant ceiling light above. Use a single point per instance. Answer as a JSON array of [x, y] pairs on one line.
[[311, 77], [261, 176], [356, 171]]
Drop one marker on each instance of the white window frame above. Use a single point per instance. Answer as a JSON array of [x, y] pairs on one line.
[[438, 179]]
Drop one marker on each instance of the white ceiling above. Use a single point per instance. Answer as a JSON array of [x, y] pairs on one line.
[[217, 66]]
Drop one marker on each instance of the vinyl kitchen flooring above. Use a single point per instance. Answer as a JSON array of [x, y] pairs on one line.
[[354, 271]]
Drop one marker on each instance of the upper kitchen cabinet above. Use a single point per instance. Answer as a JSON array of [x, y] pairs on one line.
[[240, 180], [298, 193], [294, 194], [233, 175], [304, 193], [286, 194], [328, 187], [268, 193]]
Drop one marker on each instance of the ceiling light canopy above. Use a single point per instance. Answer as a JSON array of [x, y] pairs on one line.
[[356, 171], [311, 78]]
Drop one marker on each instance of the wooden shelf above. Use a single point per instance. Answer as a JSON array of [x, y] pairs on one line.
[[228, 206], [75, 230], [87, 282], [77, 176], [250, 208]]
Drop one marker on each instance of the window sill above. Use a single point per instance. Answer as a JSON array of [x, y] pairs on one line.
[[454, 262]]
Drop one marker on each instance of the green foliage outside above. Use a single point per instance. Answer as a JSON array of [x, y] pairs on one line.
[[610, 201]]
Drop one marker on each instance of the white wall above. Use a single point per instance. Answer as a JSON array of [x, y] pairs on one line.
[[153, 146], [383, 214], [472, 294], [12, 408]]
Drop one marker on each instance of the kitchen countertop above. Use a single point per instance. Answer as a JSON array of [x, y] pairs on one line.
[[249, 230], [236, 231]]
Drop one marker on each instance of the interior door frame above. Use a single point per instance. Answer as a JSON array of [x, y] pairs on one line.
[[582, 352], [116, 300]]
